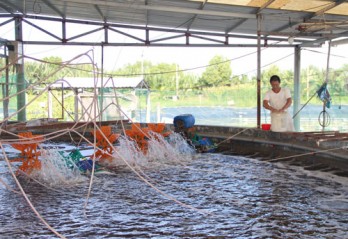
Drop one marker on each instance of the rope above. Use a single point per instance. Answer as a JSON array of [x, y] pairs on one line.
[[8, 187], [305, 104], [304, 154], [308, 101], [233, 136]]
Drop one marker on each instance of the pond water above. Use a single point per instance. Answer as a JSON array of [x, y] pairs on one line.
[[201, 196], [246, 117]]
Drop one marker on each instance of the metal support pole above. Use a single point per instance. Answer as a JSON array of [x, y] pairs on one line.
[[326, 81], [258, 71], [102, 85], [21, 85], [297, 88], [50, 104], [148, 106], [176, 82], [5, 89], [76, 104]]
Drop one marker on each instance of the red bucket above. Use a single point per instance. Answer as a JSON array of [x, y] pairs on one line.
[[266, 126]]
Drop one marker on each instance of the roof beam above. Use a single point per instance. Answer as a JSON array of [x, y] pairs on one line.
[[5, 22], [317, 42], [154, 45], [311, 15], [126, 34], [165, 9], [6, 8], [157, 29], [330, 6], [85, 34], [103, 18], [54, 8], [147, 14], [323, 39], [14, 6], [258, 10], [195, 16], [339, 42], [265, 5], [280, 3], [41, 29]]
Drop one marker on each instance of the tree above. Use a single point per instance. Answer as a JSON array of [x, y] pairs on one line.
[[187, 81], [240, 80], [51, 70], [338, 81], [266, 75], [162, 76], [311, 79], [218, 72], [159, 77], [287, 78], [45, 72], [134, 70]]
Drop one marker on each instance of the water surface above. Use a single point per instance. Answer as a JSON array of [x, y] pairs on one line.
[[222, 197]]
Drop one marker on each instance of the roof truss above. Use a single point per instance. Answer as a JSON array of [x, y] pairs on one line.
[[214, 22]]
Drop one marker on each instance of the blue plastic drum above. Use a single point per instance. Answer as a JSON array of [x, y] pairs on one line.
[[186, 121]]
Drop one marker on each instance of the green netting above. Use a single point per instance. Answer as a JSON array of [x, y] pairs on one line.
[[75, 155], [76, 160], [12, 89]]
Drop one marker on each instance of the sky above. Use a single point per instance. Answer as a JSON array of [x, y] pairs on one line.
[[243, 60]]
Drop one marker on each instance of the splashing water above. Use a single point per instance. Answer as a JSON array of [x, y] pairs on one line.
[[128, 151], [173, 150], [56, 170]]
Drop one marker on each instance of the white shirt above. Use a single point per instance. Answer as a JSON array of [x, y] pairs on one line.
[[277, 101]]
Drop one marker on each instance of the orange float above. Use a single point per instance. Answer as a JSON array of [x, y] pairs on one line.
[[140, 135], [28, 148], [158, 128], [103, 137]]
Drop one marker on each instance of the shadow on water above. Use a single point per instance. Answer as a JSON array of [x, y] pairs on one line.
[[243, 198]]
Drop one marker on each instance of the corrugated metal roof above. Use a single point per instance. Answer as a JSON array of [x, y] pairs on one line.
[[313, 19], [87, 82]]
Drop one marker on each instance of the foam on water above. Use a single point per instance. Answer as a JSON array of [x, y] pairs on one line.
[[127, 151], [174, 149], [55, 170]]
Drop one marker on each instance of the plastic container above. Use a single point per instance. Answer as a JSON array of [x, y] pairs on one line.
[[186, 121], [279, 122], [266, 127]]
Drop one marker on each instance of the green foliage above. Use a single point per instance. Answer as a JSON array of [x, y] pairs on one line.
[[135, 69], [39, 108], [339, 81], [311, 80], [266, 75], [52, 69], [188, 82], [162, 76], [217, 73], [42, 72]]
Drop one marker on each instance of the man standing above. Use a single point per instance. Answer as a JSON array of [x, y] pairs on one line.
[[278, 100]]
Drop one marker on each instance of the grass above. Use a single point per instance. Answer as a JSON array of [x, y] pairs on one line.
[[242, 96]]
